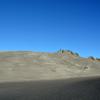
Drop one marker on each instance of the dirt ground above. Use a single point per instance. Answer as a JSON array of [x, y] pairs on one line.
[[68, 89]]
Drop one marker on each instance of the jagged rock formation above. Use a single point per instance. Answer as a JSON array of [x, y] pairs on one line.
[[28, 65]]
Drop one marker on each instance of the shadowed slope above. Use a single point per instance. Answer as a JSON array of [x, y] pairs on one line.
[[69, 89]]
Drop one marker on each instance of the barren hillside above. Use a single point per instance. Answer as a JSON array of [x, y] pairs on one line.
[[28, 65]]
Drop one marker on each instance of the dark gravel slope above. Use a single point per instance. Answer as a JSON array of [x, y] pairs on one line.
[[69, 89]]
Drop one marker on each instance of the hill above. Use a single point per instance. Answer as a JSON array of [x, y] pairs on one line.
[[28, 65]]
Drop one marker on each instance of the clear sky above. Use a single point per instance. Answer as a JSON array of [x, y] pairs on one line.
[[48, 25]]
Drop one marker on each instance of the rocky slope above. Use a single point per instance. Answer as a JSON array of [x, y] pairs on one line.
[[28, 65]]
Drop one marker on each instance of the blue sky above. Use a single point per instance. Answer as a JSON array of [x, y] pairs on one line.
[[48, 25]]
